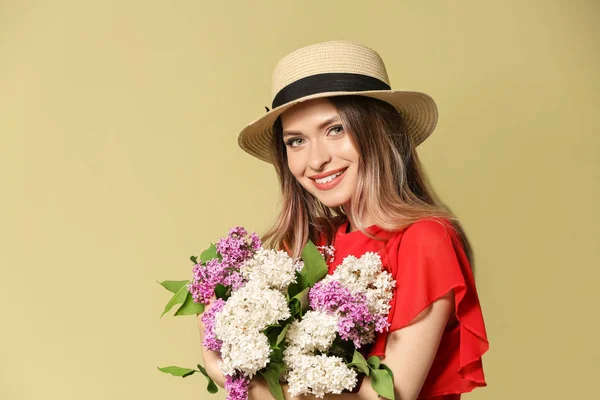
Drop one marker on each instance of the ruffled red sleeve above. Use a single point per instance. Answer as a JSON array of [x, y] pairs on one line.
[[427, 261]]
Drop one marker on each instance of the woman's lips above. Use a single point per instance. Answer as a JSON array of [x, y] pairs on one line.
[[330, 184]]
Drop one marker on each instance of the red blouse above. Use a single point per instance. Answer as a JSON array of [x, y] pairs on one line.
[[427, 261]]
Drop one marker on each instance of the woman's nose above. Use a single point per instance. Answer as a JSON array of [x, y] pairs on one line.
[[319, 155]]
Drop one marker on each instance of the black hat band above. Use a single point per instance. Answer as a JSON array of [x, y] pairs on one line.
[[329, 82]]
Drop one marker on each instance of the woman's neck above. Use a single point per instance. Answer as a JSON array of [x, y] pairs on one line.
[[366, 221]]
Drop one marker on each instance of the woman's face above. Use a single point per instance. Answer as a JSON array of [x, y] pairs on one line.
[[320, 152]]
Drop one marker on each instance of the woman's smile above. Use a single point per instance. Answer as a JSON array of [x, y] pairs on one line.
[[328, 181]]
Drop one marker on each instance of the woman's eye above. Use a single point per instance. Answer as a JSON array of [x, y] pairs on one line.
[[336, 130], [294, 142]]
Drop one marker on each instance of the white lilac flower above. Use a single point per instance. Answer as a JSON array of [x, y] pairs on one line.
[[320, 374], [328, 253], [380, 293], [366, 274], [271, 268], [357, 273], [316, 331], [291, 356], [251, 308], [247, 352], [238, 325]]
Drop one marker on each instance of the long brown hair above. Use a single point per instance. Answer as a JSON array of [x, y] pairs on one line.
[[392, 185]]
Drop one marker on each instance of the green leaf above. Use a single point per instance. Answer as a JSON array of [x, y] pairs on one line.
[[173, 286], [358, 358], [271, 375], [209, 253], [295, 308], [383, 366], [275, 333], [221, 292], [374, 362], [177, 371], [343, 348], [314, 268], [282, 334], [294, 288], [382, 383], [272, 335], [277, 356], [359, 362], [212, 387], [190, 307], [302, 297], [194, 259], [178, 298]]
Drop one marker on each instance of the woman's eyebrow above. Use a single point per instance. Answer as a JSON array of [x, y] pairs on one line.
[[321, 126]]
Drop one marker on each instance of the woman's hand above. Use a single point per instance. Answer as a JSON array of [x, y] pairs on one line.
[[259, 390], [210, 358]]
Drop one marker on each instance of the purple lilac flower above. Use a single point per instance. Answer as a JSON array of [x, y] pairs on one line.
[[210, 341], [234, 249], [206, 278], [255, 242], [356, 322], [237, 387], [235, 280], [381, 323], [329, 296]]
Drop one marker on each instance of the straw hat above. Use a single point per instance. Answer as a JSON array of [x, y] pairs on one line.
[[334, 68]]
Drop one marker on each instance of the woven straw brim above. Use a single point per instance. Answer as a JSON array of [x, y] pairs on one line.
[[418, 110]]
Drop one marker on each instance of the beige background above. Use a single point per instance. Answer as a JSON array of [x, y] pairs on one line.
[[118, 126]]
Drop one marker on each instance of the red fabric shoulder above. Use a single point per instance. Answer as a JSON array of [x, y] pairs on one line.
[[427, 261]]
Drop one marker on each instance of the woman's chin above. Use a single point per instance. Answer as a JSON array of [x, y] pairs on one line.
[[333, 201]]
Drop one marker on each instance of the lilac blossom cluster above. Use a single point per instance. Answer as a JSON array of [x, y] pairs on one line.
[[353, 303], [235, 327], [234, 249], [237, 386], [355, 322], [210, 341]]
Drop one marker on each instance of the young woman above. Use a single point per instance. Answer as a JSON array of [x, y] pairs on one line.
[[343, 145]]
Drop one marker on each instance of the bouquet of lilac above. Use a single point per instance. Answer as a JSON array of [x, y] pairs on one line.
[[286, 319]]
